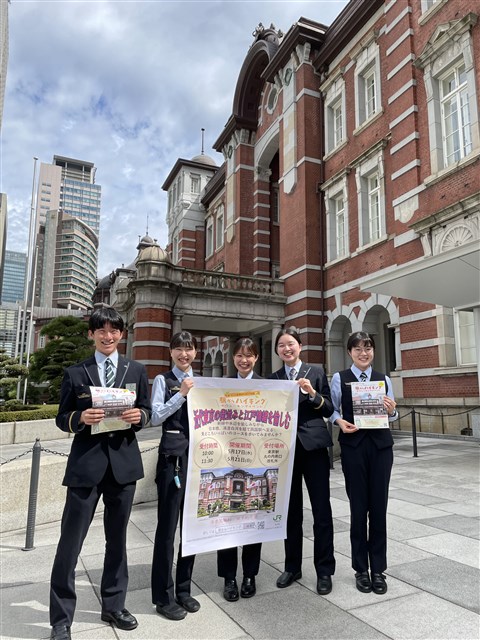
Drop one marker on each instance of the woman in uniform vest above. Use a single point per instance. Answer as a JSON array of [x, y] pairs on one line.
[[367, 458]]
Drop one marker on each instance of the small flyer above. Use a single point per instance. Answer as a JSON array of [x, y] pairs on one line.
[[114, 402], [368, 408]]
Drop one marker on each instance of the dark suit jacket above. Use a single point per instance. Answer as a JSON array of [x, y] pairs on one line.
[[254, 377], [312, 430], [90, 454]]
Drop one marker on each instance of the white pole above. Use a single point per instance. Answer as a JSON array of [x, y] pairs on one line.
[[28, 274]]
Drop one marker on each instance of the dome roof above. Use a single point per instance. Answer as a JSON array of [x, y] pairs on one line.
[[152, 253], [105, 282], [204, 159]]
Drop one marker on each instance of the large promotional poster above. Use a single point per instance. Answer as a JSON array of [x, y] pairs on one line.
[[242, 445]]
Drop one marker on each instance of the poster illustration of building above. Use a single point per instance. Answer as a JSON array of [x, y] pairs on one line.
[[369, 411], [242, 444]]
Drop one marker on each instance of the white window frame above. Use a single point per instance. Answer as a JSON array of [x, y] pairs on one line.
[[370, 178], [335, 110], [195, 183], [455, 110], [219, 226], [334, 193], [209, 237], [449, 47], [368, 103], [465, 337]]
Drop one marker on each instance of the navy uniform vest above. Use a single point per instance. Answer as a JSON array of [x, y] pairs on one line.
[[382, 437], [175, 433]]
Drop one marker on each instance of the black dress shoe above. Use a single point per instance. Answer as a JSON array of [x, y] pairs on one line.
[[324, 585], [171, 611], [287, 578], [60, 632], [230, 590], [363, 581], [122, 619], [379, 584], [249, 588], [189, 604]]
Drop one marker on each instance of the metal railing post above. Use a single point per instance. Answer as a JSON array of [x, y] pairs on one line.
[[32, 498], [414, 434]]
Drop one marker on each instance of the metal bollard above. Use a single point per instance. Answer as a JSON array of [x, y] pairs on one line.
[[32, 498], [414, 434]]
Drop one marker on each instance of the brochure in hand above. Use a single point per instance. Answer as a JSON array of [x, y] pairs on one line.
[[368, 409], [114, 402]]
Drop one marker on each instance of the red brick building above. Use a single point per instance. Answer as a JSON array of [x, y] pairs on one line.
[[349, 199]]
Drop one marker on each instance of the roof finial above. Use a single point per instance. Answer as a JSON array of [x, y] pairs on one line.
[[147, 225], [203, 132]]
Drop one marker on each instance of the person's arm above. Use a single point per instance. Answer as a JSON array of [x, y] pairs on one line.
[[69, 417], [336, 417], [139, 415], [389, 402], [320, 398], [161, 409]]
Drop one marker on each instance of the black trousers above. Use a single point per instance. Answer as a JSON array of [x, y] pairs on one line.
[[79, 510], [367, 473], [169, 512], [314, 467], [227, 561]]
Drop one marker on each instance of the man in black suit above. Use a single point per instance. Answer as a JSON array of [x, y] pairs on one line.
[[106, 464], [311, 462]]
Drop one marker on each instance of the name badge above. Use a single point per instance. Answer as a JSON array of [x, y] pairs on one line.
[[131, 386]]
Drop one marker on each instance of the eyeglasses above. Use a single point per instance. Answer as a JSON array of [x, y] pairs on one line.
[[362, 349]]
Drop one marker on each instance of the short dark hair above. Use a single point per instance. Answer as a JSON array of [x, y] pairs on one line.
[[245, 343], [287, 331], [105, 315], [360, 338], [183, 339]]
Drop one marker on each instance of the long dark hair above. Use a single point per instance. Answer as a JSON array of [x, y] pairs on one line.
[[287, 331]]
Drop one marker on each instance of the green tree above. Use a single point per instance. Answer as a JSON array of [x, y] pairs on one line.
[[67, 344], [10, 372]]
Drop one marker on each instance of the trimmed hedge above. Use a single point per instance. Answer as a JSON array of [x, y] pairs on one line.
[[43, 412]]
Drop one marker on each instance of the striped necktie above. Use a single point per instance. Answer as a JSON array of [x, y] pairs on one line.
[[363, 377], [292, 374], [109, 373]]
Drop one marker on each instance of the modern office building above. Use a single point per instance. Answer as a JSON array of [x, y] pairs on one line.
[[3, 52], [68, 268], [13, 284], [67, 192]]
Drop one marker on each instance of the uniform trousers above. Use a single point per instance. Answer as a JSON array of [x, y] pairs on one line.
[[227, 561], [79, 510], [367, 471], [169, 512], [314, 466]]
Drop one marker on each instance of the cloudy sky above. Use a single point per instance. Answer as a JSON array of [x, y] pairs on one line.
[[127, 85]]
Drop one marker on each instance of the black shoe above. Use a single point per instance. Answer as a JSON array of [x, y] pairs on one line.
[[189, 604], [287, 578], [122, 619], [324, 585], [378, 583], [230, 590], [249, 588], [363, 581], [171, 611], [60, 632]]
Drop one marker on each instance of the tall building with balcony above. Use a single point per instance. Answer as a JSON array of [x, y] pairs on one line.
[[69, 265], [66, 189]]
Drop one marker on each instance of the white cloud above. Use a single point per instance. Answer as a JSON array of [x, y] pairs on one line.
[[128, 86]]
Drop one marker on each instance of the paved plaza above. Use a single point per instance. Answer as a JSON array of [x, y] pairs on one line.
[[433, 574]]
